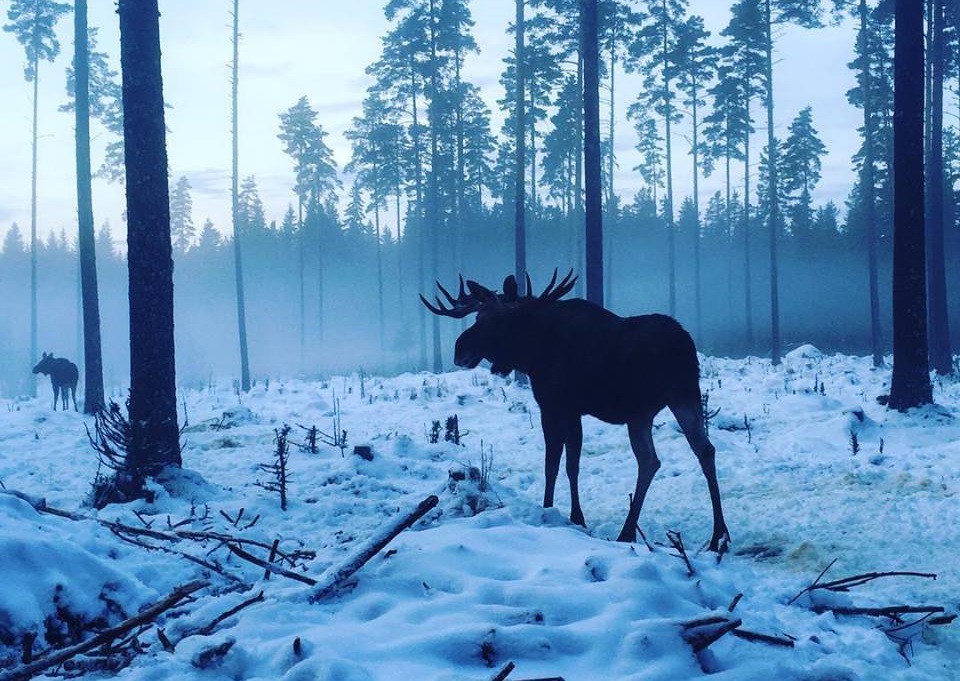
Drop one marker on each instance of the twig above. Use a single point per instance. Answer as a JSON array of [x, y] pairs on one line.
[[763, 638], [815, 582], [273, 556], [338, 577], [676, 541], [734, 602], [213, 567], [146, 616], [209, 628], [270, 567]]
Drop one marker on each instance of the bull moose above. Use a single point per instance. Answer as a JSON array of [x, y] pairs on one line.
[[584, 360], [63, 375]]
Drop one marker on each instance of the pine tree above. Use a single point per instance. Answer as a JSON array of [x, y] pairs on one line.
[[910, 384], [181, 215], [33, 23], [800, 170], [154, 435], [695, 70], [654, 53], [941, 356], [235, 202], [92, 359], [805, 13], [591, 135], [745, 58]]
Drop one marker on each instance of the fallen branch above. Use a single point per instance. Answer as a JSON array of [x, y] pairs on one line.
[[270, 567], [209, 628], [847, 583], [504, 673], [146, 616], [700, 638], [755, 637], [213, 567], [734, 602], [338, 577], [892, 611]]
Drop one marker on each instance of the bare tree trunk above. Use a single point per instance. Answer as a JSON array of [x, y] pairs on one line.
[[33, 229], [519, 208], [747, 274], [154, 436], [668, 115], [868, 188], [910, 384], [697, 275], [433, 189], [589, 41], [774, 216], [941, 358], [235, 196], [420, 231], [92, 359]]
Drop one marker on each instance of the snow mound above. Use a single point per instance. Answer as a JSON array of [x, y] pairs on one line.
[[57, 582], [804, 355]]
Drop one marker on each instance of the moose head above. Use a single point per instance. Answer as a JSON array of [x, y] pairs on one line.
[[45, 364], [506, 322]]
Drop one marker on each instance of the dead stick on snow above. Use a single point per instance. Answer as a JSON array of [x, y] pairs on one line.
[[146, 616], [701, 641], [505, 672], [270, 567], [273, 557], [747, 635], [373, 547], [892, 611], [209, 628]]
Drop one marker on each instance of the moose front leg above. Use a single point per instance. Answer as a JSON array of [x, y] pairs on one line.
[[553, 437], [56, 396]]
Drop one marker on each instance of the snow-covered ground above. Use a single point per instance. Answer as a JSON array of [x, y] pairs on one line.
[[461, 594]]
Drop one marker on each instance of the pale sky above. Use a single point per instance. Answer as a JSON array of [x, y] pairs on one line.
[[291, 48]]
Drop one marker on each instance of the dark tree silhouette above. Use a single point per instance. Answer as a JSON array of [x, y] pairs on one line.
[[154, 436], [92, 360], [590, 41], [941, 358], [520, 151], [235, 197], [910, 385]]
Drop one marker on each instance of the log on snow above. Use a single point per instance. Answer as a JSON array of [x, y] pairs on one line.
[[338, 577]]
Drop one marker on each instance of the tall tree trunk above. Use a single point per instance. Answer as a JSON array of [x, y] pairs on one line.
[[589, 40], [235, 196], [519, 206], [668, 209], [418, 213], [697, 279], [747, 273], [376, 222], [92, 359], [433, 188], [154, 436], [578, 232], [461, 175], [941, 358], [774, 216], [868, 185], [320, 263], [33, 227], [910, 384], [611, 164], [301, 257]]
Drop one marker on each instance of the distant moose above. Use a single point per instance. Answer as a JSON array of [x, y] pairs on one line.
[[63, 375], [583, 359]]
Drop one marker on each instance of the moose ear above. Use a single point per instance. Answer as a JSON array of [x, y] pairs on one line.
[[477, 291], [510, 289]]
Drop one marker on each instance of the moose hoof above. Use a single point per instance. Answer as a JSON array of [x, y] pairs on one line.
[[577, 519], [627, 536], [720, 543]]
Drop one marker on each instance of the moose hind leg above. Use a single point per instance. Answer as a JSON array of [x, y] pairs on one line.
[[574, 445], [56, 397], [689, 415], [553, 444], [73, 393], [641, 441]]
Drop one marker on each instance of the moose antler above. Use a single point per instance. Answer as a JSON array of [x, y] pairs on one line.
[[464, 304], [555, 291]]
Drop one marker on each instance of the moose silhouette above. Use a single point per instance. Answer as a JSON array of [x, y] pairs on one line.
[[583, 359], [63, 375]]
